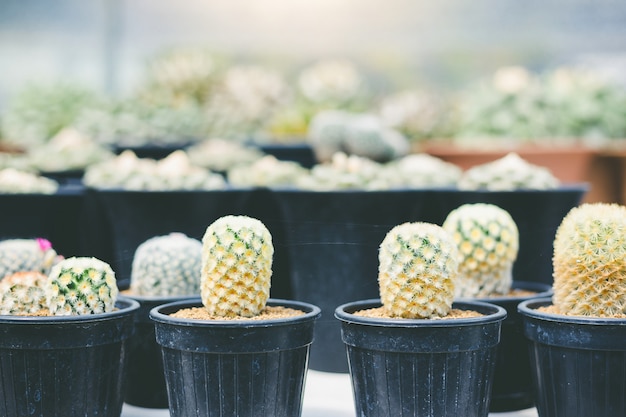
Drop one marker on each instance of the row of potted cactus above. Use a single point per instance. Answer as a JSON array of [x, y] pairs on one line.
[[426, 346]]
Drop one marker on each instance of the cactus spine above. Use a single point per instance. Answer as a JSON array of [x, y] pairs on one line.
[[590, 261], [167, 265], [23, 293], [488, 241], [81, 285], [418, 267], [237, 257]]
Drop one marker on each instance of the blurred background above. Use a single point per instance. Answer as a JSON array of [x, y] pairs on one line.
[[131, 73]]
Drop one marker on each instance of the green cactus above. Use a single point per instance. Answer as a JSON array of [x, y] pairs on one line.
[[167, 265], [237, 259], [367, 136], [25, 255], [81, 285], [590, 261], [326, 133], [418, 267], [488, 241], [510, 172], [23, 293]]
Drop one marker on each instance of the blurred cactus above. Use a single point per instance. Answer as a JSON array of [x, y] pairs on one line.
[[26, 255], [23, 293]]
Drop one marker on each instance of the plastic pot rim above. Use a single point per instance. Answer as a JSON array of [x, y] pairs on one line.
[[344, 313], [569, 187], [158, 314], [124, 305], [529, 308]]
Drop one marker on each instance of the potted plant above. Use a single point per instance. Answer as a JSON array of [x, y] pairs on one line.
[[577, 337], [164, 269], [63, 341], [234, 352], [488, 240], [414, 351]]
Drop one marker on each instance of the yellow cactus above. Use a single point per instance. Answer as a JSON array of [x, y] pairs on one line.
[[488, 242], [590, 261], [418, 266], [237, 259]]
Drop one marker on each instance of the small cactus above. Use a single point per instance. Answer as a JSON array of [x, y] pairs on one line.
[[237, 257], [488, 241], [21, 255], [510, 172], [590, 261], [167, 265], [418, 267], [367, 136], [81, 285], [23, 293]]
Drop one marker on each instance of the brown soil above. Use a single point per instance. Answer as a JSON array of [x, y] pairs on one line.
[[380, 313], [268, 313], [514, 293], [552, 309]]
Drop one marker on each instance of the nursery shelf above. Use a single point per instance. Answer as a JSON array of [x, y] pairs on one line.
[[326, 395]]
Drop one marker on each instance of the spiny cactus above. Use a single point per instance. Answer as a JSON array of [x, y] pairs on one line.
[[418, 267], [488, 242], [23, 293], [237, 259], [167, 265], [510, 172], [590, 261], [81, 285], [14, 181], [21, 255]]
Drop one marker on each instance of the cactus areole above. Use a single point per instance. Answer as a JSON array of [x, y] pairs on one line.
[[237, 259]]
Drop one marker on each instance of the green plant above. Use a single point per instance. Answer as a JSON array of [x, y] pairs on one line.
[[167, 265], [367, 136], [488, 241], [26, 255], [590, 261], [237, 257], [23, 293], [81, 285], [418, 267], [510, 172], [267, 171]]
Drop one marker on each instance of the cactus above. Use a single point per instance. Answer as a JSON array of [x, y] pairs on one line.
[[488, 241], [418, 267], [510, 172], [23, 293], [25, 255], [590, 261], [14, 181], [421, 170], [167, 265], [81, 285], [367, 136], [327, 132], [237, 259], [267, 171]]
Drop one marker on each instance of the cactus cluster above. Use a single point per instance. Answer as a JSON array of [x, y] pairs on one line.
[[15, 181], [590, 261], [81, 285], [267, 171], [25, 255], [418, 267], [167, 265], [488, 241], [237, 257], [23, 293], [510, 172]]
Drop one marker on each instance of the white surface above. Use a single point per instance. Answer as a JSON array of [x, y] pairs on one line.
[[325, 395]]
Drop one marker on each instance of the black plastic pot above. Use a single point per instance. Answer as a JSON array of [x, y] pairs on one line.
[[235, 368], [56, 217], [512, 383], [426, 368], [143, 373], [70, 366], [132, 217], [332, 240], [301, 153], [578, 363]]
